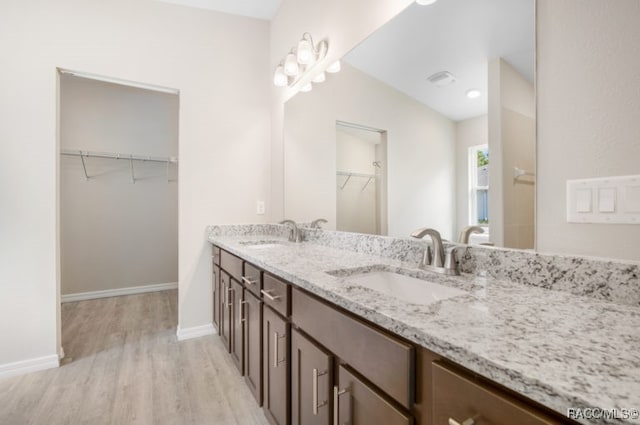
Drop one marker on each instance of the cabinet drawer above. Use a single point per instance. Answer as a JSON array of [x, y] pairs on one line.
[[385, 361], [275, 294], [216, 255], [458, 398], [356, 403], [252, 278], [232, 265]]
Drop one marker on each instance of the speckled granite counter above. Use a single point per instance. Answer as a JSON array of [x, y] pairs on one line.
[[559, 349]]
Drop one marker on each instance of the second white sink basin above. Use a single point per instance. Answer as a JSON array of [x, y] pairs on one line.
[[405, 288]]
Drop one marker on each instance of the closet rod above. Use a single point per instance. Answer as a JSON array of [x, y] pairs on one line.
[[350, 174], [87, 154]]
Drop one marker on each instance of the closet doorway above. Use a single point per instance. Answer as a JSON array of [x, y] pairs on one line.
[[118, 192]]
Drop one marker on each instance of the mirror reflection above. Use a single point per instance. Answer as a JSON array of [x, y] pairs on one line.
[[430, 123]]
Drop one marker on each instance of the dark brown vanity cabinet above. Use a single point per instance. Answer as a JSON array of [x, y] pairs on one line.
[[276, 378], [311, 382], [385, 366], [251, 317], [309, 362]]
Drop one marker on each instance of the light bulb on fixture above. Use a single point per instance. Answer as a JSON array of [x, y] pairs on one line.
[[306, 88], [425, 2], [473, 93], [334, 67], [320, 78], [305, 51], [291, 65], [279, 78]]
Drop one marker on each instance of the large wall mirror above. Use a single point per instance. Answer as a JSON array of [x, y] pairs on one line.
[[430, 123]]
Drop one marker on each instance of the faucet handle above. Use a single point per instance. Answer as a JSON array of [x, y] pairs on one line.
[[451, 261], [315, 224]]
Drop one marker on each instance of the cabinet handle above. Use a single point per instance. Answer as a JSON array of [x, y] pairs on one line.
[[314, 383], [268, 295], [248, 281], [241, 317], [468, 421], [336, 399], [276, 338], [229, 302]]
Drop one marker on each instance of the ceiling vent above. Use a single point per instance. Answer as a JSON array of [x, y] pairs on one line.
[[442, 79]]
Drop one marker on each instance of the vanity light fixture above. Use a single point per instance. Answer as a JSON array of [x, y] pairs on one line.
[[291, 67], [334, 67], [320, 78], [426, 2], [280, 78], [473, 93], [300, 66]]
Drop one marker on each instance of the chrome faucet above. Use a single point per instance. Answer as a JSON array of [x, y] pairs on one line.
[[296, 234], [437, 260], [315, 224], [465, 234]]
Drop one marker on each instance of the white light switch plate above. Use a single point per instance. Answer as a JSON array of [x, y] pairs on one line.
[[614, 200], [260, 207]]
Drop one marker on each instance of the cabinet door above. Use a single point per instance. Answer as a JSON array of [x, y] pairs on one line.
[[252, 319], [311, 371], [225, 310], [237, 331], [356, 403], [276, 367], [215, 287], [458, 398]]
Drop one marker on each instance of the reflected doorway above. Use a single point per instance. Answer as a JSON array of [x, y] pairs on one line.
[[361, 157]]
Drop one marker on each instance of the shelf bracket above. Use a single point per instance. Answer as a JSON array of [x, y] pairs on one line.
[[84, 166], [367, 183], [345, 182], [133, 176]]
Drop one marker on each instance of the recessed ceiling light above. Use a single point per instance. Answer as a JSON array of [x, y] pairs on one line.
[[425, 2], [473, 93]]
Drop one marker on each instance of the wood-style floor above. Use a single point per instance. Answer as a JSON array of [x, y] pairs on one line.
[[125, 366]]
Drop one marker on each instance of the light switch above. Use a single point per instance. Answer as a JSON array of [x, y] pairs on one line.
[[632, 199], [607, 199], [583, 200]]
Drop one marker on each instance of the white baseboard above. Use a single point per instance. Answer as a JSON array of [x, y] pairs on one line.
[[81, 296], [195, 331], [30, 365]]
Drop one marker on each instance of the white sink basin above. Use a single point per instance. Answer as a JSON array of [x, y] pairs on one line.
[[405, 288]]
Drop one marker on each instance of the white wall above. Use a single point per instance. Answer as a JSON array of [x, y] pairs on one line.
[[420, 152], [470, 132], [356, 201], [220, 65], [115, 234], [511, 126], [344, 24], [588, 108]]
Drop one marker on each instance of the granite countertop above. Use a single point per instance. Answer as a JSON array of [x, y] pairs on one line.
[[561, 350]]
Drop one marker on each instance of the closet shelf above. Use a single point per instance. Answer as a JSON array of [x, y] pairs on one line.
[[349, 174], [128, 157], [111, 155]]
